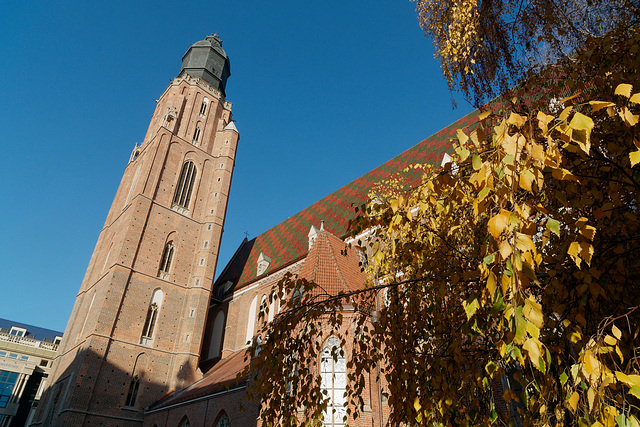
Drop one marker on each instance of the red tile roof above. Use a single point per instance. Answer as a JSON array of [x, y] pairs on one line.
[[287, 241], [332, 266]]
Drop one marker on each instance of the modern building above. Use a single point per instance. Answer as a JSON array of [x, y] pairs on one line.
[[152, 340], [26, 355]]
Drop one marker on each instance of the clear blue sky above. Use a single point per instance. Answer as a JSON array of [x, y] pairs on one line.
[[322, 93]]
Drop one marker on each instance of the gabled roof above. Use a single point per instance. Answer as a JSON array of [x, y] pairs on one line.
[[332, 265], [287, 242]]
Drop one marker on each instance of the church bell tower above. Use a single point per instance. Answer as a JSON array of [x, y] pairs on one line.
[[136, 327]]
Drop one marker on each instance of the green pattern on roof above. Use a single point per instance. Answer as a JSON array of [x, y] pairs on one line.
[[288, 241]]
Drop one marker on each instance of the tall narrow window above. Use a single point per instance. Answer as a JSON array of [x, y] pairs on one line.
[[185, 422], [251, 320], [203, 107], [196, 135], [167, 259], [185, 186], [132, 395], [152, 317], [333, 370]]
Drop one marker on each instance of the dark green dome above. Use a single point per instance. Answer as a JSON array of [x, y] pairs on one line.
[[207, 60]]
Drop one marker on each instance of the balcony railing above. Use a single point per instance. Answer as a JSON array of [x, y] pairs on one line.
[[30, 342]]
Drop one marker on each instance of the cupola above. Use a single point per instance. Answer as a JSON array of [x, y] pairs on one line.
[[207, 60]]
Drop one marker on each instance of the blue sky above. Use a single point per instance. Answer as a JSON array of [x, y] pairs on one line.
[[322, 93]]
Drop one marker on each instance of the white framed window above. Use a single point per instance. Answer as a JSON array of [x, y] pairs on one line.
[[333, 371], [203, 107], [251, 319], [152, 317], [17, 331]]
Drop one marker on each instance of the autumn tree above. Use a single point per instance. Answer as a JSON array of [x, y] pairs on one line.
[[518, 261], [487, 47]]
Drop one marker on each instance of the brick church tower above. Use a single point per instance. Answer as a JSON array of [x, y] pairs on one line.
[[136, 327]]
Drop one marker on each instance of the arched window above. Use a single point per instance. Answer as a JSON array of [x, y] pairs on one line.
[[216, 336], [152, 317], [333, 370], [185, 186], [184, 422], [167, 259], [203, 107], [132, 395], [196, 135], [223, 421], [251, 320]]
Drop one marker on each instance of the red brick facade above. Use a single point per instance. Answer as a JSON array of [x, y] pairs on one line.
[[104, 347]]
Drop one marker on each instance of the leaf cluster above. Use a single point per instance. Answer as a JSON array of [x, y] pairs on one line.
[[517, 263], [485, 47]]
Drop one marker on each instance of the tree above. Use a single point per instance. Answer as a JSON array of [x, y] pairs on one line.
[[486, 47], [518, 260]]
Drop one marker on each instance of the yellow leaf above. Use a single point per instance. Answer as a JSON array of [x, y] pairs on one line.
[[394, 205], [591, 396], [498, 223], [416, 404], [630, 118], [532, 310], [588, 231], [599, 105], [591, 366], [573, 401], [574, 250], [462, 137], [634, 157], [580, 121], [537, 152], [517, 120], [491, 284], [463, 153], [624, 89], [586, 252], [616, 332], [565, 113], [524, 243], [484, 115], [532, 347], [610, 340], [526, 178], [635, 98], [505, 249], [630, 380]]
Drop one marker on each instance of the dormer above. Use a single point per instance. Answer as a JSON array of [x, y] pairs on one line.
[[313, 234], [263, 263]]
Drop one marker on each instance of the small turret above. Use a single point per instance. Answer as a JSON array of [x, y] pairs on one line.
[[207, 60]]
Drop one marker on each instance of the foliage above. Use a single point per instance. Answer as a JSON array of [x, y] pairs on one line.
[[519, 262], [485, 47]]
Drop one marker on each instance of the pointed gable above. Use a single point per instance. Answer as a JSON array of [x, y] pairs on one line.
[[332, 265]]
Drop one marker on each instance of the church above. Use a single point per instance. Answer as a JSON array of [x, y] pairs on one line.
[[152, 339]]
